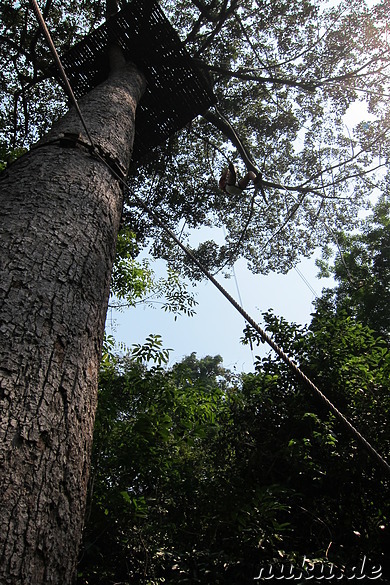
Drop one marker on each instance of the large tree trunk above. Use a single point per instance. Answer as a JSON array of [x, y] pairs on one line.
[[60, 211]]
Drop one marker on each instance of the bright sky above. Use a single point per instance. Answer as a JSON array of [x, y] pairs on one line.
[[217, 326]]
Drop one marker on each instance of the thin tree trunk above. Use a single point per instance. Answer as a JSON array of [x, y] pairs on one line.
[[60, 210]]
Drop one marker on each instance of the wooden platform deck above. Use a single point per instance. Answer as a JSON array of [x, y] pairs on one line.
[[176, 91]]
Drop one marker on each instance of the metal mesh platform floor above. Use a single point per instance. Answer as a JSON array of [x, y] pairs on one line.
[[176, 89]]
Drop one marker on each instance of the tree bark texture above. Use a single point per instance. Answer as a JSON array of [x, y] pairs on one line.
[[60, 210]]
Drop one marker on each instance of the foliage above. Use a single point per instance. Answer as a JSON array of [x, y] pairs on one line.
[[284, 75], [134, 282], [155, 432], [8, 156], [151, 350], [131, 280], [362, 271], [351, 364]]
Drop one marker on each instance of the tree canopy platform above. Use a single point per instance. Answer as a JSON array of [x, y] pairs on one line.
[[177, 91]]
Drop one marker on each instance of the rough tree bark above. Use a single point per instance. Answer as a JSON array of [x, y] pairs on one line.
[[60, 211]]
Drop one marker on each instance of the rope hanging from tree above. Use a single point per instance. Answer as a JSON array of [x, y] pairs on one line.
[[265, 337]]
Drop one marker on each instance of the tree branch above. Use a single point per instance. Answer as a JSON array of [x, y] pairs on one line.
[[112, 8], [307, 86], [355, 73], [290, 215], [207, 13], [223, 16], [249, 77], [220, 122]]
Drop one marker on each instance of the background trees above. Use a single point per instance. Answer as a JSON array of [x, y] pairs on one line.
[[361, 270]]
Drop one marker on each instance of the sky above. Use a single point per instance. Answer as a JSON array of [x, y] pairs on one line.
[[217, 327]]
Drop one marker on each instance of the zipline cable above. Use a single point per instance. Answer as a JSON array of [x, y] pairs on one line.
[[265, 337], [57, 60], [302, 277], [239, 298]]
